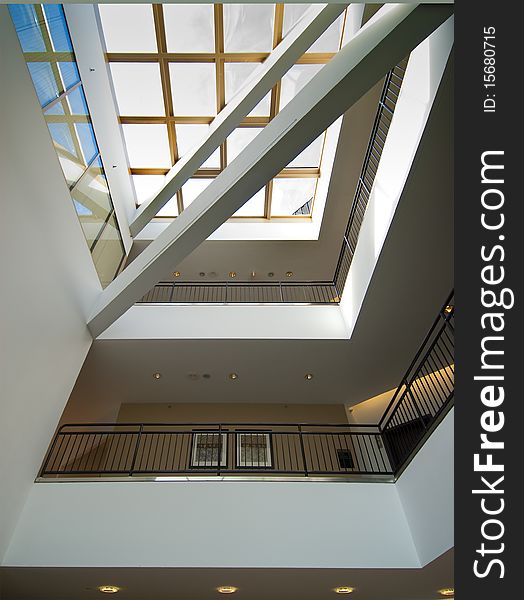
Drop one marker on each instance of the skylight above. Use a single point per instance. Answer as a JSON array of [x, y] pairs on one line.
[[175, 67]]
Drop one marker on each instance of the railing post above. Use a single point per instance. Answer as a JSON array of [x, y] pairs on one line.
[[219, 458], [227, 287], [135, 453], [172, 292], [281, 292], [302, 450]]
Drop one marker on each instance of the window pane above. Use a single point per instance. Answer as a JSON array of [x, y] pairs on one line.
[[254, 207], [193, 88], [295, 79], [108, 252], [239, 139], [128, 27], [138, 88], [146, 186], [77, 102], [289, 195], [26, 25], [56, 23], [236, 77], [46, 86], [147, 145], [69, 73], [329, 41], [189, 136], [310, 156], [189, 27], [193, 188], [170, 209], [86, 135], [92, 201], [72, 163], [248, 27]]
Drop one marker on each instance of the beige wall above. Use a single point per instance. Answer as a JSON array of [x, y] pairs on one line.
[[179, 412]]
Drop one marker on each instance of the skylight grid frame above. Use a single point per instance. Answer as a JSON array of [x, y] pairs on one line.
[[218, 58]]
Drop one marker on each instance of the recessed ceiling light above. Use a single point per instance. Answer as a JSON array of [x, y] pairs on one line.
[[447, 592], [109, 589], [233, 376], [289, 274], [232, 274], [344, 589], [227, 589], [308, 376], [176, 273], [448, 308], [270, 274], [157, 375], [202, 274]]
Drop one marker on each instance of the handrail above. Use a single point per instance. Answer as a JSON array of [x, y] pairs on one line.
[[305, 449], [314, 292]]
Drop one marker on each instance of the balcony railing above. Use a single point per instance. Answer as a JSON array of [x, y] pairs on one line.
[[267, 449], [309, 292]]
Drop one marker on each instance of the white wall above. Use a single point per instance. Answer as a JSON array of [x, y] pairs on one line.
[[229, 322], [48, 284], [192, 524], [421, 81], [426, 492]]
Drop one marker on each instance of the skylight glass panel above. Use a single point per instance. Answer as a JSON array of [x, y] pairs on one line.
[[248, 27], [189, 136], [193, 188], [239, 139], [147, 145], [56, 24], [170, 209], [45, 83], [291, 194], [69, 73], [310, 156], [128, 27], [236, 77], [329, 41], [193, 89], [138, 89], [254, 207], [26, 25], [77, 102], [295, 79], [86, 135], [147, 186], [189, 27]]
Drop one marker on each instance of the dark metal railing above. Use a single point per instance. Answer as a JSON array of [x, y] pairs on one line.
[[310, 292], [379, 132], [381, 449], [220, 292]]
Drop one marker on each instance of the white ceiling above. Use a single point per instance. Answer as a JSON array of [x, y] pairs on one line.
[[253, 584]]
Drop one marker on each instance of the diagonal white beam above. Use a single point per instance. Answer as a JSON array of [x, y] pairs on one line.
[[316, 20], [375, 49]]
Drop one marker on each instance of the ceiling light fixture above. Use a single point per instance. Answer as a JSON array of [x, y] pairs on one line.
[[344, 589], [227, 589], [289, 274], [308, 376], [157, 375], [232, 274], [447, 592], [202, 274], [233, 376], [108, 589], [270, 274], [176, 273], [448, 309]]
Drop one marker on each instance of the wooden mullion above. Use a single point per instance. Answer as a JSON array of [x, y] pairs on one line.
[[160, 31], [254, 57], [268, 199]]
